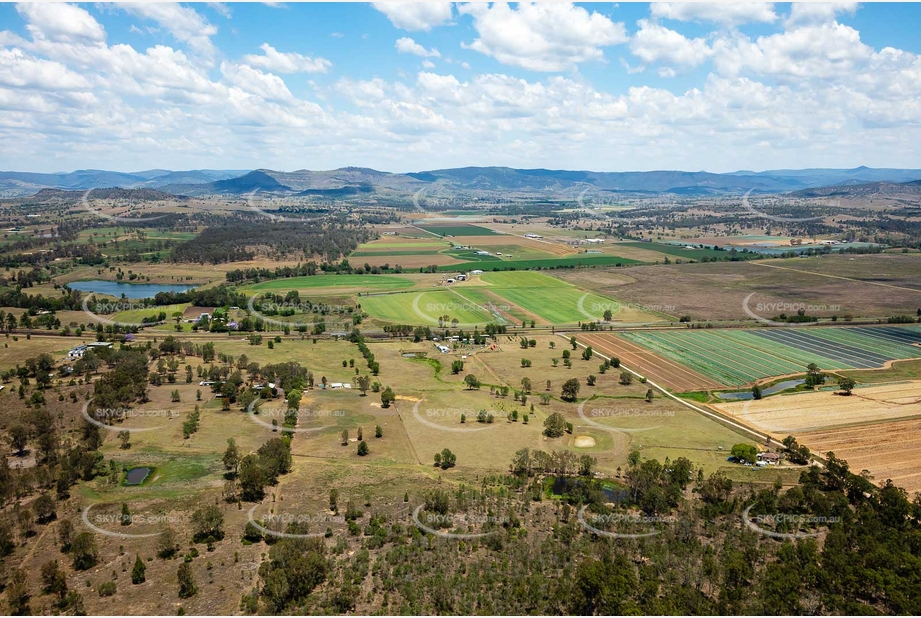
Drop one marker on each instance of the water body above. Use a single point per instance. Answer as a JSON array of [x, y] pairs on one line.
[[130, 290], [776, 388], [562, 485], [136, 476]]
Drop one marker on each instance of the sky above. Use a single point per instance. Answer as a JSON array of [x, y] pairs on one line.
[[406, 87]]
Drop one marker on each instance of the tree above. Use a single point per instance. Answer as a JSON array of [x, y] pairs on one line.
[[387, 397], [19, 438], [231, 458], [814, 376], [471, 381], [83, 551], [138, 571], [846, 385], [590, 380], [364, 383], [587, 353], [445, 459], [526, 385], [345, 437], [745, 452], [378, 431], [457, 366], [44, 509], [53, 579], [570, 389], [626, 378], [573, 343], [555, 425], [207, 524], [187, 586], [362, 448], [65, 534], [125, 438], [756, 392]]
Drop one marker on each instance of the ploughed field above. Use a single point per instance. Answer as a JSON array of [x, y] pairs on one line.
[[877, 428], [739, 357]]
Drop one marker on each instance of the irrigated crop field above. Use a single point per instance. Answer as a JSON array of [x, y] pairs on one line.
[[738, 357]]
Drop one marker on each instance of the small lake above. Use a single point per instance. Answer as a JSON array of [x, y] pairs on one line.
[[136, 476], [562, 485], [130, 290], [776, 388]]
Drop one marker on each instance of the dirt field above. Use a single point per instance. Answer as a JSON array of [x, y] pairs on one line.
[[790, 414], [860, 285], [660, 370], [878, 428], [887, 450]]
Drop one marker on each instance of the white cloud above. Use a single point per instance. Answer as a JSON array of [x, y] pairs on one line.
[[654, 43], [253, 81], [406, 45], [184, 23], [728, 14], [818, 12], [428, 64], [415, 15], [60, 22], [281, 62], [542, 37], [221, 9]]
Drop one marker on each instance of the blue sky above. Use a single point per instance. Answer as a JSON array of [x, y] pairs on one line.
[[406, 87]]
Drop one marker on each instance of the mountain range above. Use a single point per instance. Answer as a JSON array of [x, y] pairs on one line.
[[356, 180]]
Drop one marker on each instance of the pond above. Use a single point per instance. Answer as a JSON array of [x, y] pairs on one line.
[[136, 476], [565, 484], [130, 290], [770, 390]]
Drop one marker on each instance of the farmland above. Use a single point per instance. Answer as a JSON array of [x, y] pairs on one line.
[[738, 357], [876, 428], [497, 296]]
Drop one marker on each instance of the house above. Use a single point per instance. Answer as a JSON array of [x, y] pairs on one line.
[[460, 277], [592, 241], [450, 281], [532, 236], [769, 458], [476, 272], [99, 344], [443, 349], [482, 252], [77, 352]]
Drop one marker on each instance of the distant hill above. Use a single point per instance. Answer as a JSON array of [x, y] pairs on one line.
[[28, 183], [864, 190], [348, 181]]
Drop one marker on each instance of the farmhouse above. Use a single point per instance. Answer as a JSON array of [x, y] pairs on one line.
[[482, 252], [443, 349], [592, 241], [532, 236], [80, 350], [769, 458]]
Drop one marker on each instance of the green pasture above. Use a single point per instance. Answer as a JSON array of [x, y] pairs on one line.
[[343, 284], [425, 308]]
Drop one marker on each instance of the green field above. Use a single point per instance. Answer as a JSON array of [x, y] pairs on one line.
[[425, 308], [679, 252], [573, 261], [458, 230], [343, 284]]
